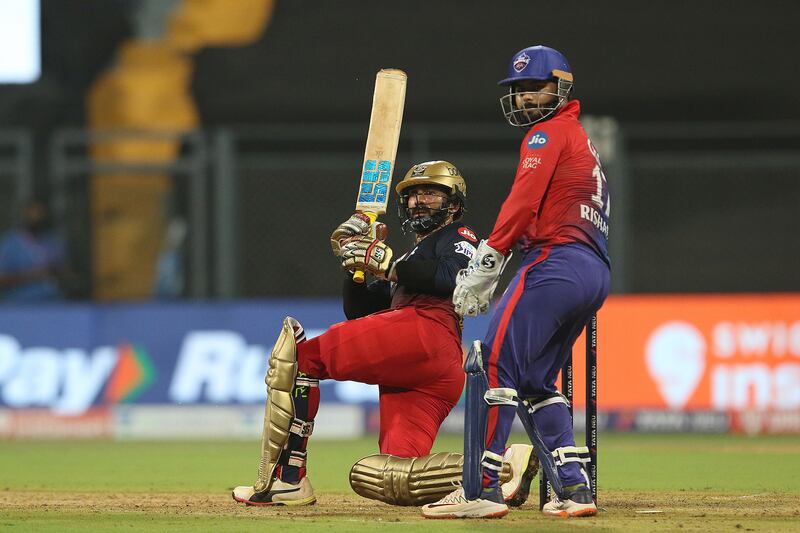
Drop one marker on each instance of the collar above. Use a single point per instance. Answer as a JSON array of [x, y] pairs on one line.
[[571, 110]]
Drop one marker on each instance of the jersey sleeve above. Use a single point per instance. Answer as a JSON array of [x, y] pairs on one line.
[[539, 155], [362, 299]]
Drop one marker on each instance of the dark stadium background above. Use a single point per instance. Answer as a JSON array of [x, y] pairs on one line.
[[705, 191]]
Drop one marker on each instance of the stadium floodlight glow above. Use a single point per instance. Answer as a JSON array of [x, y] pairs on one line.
[[20, 42]]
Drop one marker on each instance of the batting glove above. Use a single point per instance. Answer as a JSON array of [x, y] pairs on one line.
[[367, 254], [476, 283], [358, 224]]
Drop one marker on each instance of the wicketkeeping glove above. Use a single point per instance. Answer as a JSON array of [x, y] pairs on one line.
[[367, 254], [358, 224], [476, 283]]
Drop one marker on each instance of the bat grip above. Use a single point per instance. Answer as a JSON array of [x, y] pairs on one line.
[[358, 275]]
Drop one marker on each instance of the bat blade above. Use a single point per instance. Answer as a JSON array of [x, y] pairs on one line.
[[385, 121]]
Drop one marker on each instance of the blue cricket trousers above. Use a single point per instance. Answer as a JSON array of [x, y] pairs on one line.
[[531, 333]]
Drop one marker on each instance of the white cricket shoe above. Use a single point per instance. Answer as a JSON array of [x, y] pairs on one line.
[[524, 467], [456, 505], [578, 503], [279, 493]]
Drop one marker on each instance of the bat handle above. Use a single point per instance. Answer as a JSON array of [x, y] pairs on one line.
[[358, 275]]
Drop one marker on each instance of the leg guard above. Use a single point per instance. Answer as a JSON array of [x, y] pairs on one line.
[[279, 409], [548, 459], [412, 480], [406, 480], [292, 464], [478, 399]]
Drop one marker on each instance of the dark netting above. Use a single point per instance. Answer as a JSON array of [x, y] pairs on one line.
[[9, 205], [697, 221], [286, 218], [714, 224], [73, 217]]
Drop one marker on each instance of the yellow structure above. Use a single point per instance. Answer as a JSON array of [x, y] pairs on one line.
[[148, 91]]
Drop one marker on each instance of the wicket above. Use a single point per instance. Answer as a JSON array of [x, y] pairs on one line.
[[591, 409]]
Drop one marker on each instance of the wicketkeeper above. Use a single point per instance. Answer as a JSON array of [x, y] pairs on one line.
[[557, 214], [402, 334]]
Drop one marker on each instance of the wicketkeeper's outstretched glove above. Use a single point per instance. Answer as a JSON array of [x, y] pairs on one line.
[[367, 254], [476, 283], [358, 224]]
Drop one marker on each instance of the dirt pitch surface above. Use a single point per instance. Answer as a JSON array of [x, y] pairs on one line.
[[623, 511]]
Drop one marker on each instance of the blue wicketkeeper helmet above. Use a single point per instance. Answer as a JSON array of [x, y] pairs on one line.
[[536, 63]]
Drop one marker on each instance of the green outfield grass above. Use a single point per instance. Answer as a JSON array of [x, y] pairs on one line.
[[184, 486]]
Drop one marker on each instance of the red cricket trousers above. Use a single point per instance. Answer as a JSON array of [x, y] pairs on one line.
[[416, 361]]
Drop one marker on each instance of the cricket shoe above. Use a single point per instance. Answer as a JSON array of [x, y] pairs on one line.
[[578, 502], [524, 467], [280, 493], [456, 505]]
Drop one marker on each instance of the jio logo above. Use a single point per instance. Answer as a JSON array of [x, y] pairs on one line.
[[537, 140]]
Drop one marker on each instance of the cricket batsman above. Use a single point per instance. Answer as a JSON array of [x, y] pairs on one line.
[[557, 213], [402, 334]]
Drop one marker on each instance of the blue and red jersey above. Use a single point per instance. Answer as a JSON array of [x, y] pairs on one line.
[[560, 194]]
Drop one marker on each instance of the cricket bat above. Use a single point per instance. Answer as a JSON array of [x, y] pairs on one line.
[[384, 134]]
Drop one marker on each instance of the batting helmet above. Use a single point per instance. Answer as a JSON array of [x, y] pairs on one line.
[[441, 175]]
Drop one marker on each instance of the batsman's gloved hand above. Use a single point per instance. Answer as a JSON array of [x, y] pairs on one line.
[[358, 224], [476, 283], [367, 254]]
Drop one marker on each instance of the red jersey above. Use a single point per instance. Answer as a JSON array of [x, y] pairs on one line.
[[560, 194]]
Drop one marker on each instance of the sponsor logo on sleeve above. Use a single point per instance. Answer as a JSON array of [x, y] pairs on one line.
[[537, 140], [465, 248], [531, 163], [468, 233]]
